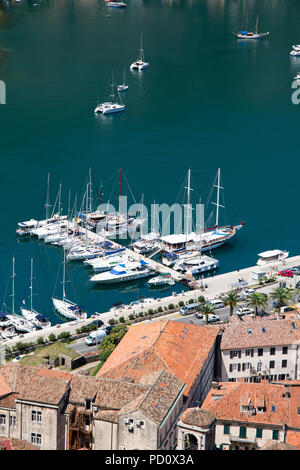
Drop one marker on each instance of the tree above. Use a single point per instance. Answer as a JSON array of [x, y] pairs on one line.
[[230, 299], [283, 295], [256, 301], [207, 309]]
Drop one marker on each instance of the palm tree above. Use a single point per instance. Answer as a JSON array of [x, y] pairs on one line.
[[207, 309], [231, 299], [256, 300], [283, 295]]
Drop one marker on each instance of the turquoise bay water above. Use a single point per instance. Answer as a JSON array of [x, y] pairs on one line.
[[207, 101]]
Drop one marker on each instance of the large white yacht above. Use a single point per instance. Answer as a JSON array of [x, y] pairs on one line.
[[197, 265], [106, 263], [123, 273], [140, 63], [271, 257]]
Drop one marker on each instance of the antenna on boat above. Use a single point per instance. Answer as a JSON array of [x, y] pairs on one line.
[[218, 197]]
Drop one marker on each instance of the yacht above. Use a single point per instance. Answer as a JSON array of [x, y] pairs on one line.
[[147, 243], [66, 307], [297, 77], [162, 280], [116, 4], [272, 257], [4, 320], [252, 35], [295, 52], [197, 265], [106, 263], [123, 86], [24, 228], [123, 273], [21, 324], [32, 316], [140, 63], [111, 105]]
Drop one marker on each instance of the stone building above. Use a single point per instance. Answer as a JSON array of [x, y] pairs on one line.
[[260, 348], [196, 430]]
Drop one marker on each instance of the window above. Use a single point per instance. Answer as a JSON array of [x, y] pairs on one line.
[[275, 434], [272, 364], [2, 419], [235, 353], [273, 408], [226, 429], [284, 350], [12, 421], [258, 367], [299, 411], [260, 352], [249, 352], [245, 408], [284, 363], [258, 432], [36, 438], [36, 416], [272, 351], [243, 431]]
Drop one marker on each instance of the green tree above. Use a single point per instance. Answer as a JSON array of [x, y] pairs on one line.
[[283, 295], [230, 299], [256, 301], [207, 309]]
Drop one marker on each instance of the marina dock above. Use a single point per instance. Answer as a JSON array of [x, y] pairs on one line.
[[216, 286]]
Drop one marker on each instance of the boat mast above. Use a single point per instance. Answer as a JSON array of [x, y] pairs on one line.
[[64, 276], [47, 205], [13, 286], [31, 284], [218, 197], [256, 24], [90, 185], [120, 190], [188, 217], [141, 49]]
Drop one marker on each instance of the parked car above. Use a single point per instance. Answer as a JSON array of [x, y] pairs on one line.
[[96, 322], [286, 273], [295, 270], [212, 318], [275, 303], [108, 329], [217, 303], [190, 308], [95, 337], [18, 358], [198, 315], [244, 311]]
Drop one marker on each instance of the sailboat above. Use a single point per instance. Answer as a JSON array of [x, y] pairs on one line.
[[210, 238], [111, 105], [66, 307], [251, 35], [140, 63], [123, 86], [20, 324], [40, 321]]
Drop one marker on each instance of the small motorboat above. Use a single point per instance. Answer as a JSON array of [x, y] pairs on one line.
[[116, 4], [163, 280]]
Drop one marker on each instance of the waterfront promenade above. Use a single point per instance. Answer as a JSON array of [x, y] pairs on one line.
[[216, 286]]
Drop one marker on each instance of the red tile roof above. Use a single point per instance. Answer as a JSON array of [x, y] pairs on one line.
[[180, 348]]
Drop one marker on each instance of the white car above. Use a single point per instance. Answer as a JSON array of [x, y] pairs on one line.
[[198, 315], [17, 358], [244, 311], [212, 318]]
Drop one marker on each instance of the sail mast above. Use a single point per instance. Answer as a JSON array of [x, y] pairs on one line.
[[256, 24], [47, 200], [13, 287], [64, 276], [31, 284], [218, 198], [120, 190]]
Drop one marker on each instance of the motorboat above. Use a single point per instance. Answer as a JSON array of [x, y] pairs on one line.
[[116, 4], [162, 280], [297, 77], [295, 52], [272, 257], [147, 243], [197, 265], [140, 63], [106, 263], [111, 105], [25, 227], [123, 273], [4, 320]]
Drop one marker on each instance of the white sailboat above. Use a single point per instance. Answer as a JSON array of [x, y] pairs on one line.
[[140, 63], [251, 35], [209, 239], [123, 86], [66, 307], [111, 105], [40, 321], [20, 324]]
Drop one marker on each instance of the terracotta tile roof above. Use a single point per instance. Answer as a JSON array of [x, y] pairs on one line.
[[197, 417], [293, 439], [226, 403], [275, 445], [260, 332], [16, 444], [182, 349]]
